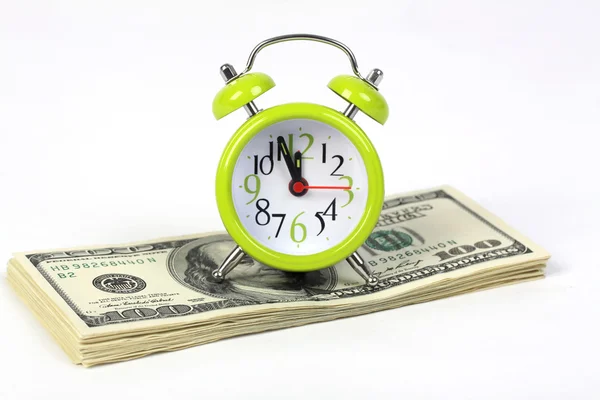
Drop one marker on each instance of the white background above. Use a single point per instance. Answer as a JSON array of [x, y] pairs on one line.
[[106, 135]]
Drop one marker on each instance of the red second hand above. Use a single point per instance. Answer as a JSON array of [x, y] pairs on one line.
[[299, 187], [327, 187]]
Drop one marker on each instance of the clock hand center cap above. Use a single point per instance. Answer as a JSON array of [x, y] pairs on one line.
[[298, 188]]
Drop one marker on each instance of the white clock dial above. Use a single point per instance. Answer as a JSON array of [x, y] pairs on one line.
[[333, 192]]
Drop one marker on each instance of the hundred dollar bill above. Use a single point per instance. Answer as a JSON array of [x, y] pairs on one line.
[[426, 243]]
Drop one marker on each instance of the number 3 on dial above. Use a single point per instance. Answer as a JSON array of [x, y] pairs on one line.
[[349, 191]]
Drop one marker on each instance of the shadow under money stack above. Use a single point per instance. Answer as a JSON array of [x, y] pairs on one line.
[[113, 303]]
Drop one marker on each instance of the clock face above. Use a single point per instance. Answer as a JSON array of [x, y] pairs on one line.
[[300, 187]]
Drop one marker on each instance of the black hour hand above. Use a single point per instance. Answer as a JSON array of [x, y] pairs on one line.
[[287, 157]]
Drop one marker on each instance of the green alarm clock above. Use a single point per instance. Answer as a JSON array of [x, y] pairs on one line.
[[299, 186]]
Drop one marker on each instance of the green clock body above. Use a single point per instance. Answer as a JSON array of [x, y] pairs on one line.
[[286, 228]]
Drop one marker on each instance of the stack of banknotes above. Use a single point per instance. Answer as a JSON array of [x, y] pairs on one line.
[[104, 304]]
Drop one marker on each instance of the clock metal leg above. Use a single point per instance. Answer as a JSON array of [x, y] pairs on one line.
[[358, 264], [230, 262]]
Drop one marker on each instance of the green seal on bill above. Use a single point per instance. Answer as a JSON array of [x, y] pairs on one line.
[[389, 240]]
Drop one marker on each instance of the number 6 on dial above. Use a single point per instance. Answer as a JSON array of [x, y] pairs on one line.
[[300, 168]]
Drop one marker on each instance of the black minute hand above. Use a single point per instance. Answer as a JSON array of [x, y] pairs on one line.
[[288, 159]]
